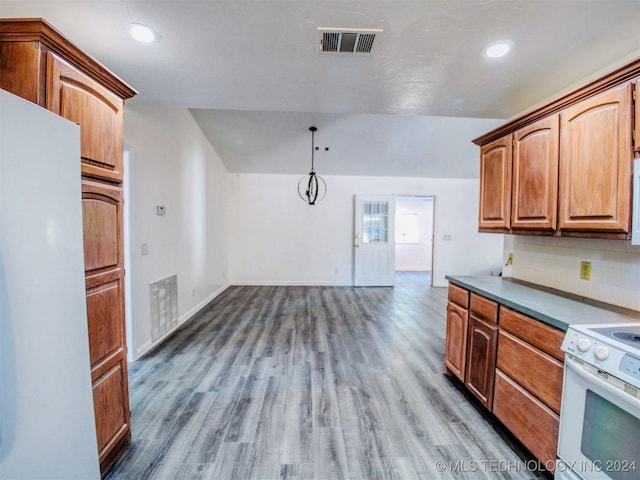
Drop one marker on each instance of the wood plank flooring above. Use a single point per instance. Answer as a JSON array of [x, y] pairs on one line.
[[311, 383]]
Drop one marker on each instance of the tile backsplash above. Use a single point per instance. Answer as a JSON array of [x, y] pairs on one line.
[[555, 262]]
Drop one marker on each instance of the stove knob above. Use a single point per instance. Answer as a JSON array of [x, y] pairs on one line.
[[584, 344], [602, 353]]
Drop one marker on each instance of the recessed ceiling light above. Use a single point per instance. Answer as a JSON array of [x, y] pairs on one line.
[[143, 33], [498, 49]]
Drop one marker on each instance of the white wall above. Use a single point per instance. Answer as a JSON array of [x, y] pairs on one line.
[[415, 256], [172, 164], [555, 262], [279, 239]]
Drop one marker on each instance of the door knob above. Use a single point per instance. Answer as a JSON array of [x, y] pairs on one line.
[[357, 246]]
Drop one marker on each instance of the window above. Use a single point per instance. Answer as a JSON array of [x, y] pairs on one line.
[[375, 222]]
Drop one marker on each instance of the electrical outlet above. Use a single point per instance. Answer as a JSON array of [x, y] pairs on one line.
[[585, 270]]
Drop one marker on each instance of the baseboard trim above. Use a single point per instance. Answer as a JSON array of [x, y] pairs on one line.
[[271, 283]]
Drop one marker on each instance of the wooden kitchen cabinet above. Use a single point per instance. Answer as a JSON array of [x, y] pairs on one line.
[[513, 366], [528, 385], [41, 65], [99, 112], [531, 369], [533, 423], [595, 163], [519, 179], [481, 348], [455, 355], [102, 216], [535, 175], [592, 144], [481, 359], [495, 185], [544, 337]]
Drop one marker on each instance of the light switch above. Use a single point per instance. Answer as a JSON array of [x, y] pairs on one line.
[[144, 249], [160, 209]]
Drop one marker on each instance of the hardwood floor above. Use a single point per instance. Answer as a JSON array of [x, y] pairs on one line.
[[311, 383]]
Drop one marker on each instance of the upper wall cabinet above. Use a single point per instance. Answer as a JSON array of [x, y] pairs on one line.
[[595, 163], [99, 112], [519, 179], [535, 175], [41, 65], [566, 167], [495, 185]]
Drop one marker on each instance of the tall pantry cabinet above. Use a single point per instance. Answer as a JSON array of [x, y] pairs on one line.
[[41, 65]]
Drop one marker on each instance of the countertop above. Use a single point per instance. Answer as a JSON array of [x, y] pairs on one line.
[[553, 307]]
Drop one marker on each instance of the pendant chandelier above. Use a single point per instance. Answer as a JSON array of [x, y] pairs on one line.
[[312, 188]]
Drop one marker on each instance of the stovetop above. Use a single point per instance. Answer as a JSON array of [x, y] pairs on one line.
[[627, 334]]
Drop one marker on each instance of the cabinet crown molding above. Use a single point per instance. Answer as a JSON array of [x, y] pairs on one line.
[[612, 79], [39, 30]]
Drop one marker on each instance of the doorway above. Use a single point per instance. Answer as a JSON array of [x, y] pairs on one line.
[[128, 279], [415, 216], [374, 245]]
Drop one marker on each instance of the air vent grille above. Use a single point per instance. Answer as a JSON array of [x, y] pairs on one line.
[[348, 40]]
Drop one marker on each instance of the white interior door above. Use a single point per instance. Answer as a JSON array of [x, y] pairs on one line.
[[374, 242]]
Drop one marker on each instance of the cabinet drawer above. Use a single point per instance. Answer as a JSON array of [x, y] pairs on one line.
[[459, 295], [533, 369], [484, 308], [546, 338], [531, 421]]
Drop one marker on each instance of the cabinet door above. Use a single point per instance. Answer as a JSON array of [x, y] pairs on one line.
[[455, 353], [481, 360], [104, 277], [495, 184], [595, 163], [75, 96], [535, 175]]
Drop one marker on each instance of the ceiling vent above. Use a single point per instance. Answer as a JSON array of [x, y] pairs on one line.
[[348, 40]]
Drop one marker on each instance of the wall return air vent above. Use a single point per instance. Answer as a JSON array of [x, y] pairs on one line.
[[348, 40]]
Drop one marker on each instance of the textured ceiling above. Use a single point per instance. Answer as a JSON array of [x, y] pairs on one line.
[[234, 61]]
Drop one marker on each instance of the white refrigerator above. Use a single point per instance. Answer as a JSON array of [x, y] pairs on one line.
[[47, 428]]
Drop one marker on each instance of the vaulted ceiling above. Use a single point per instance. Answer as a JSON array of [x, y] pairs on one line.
[[254, 76]]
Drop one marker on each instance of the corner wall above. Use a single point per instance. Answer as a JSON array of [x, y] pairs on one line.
[[173, 164]]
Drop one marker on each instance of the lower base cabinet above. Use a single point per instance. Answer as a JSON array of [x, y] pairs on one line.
[[512, 364], [530, 420], [481, 359], [455, 355]]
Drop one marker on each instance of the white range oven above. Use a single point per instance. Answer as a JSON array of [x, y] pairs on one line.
[[599, 437]]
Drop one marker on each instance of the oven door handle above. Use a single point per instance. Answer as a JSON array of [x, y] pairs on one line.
[[574, 365]]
